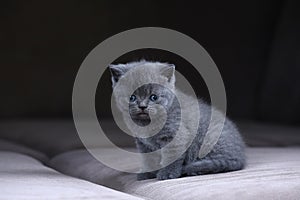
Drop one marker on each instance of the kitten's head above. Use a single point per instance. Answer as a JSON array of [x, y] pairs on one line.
[[142, 86]]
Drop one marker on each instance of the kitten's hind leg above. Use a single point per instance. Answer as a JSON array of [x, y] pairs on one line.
[[210, 166]]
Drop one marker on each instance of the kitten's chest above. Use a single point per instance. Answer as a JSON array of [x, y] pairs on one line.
[[145, 141], [150, 143]]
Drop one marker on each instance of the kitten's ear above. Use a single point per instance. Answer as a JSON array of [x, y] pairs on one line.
[[117, 71], [168, 70]]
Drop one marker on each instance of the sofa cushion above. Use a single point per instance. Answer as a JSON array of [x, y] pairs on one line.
[[23, 177], [48, 136], [55, 136], [14, 147], [268, 134], [271, 173]]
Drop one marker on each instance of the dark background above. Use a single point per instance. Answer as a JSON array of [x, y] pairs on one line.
[[255, 45]]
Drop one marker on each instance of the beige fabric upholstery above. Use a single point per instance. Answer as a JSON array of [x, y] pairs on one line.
[[271, 173], [53, 137], [266, 134], [11, 146], [22, 178]]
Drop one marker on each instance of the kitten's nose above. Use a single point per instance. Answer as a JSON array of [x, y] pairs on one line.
[[142, 107]]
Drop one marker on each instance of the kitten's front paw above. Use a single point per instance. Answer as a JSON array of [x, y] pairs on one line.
[[165, 174], [146, 175]]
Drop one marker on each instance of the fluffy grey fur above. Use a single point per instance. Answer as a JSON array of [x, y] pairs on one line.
[[228, 153]]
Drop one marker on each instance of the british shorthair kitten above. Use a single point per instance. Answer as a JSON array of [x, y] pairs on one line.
[[228, 154]]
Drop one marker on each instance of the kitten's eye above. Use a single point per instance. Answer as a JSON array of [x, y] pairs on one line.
[[132, 98], [153, 97]]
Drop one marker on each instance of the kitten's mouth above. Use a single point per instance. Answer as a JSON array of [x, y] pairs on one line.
[[143, 115]]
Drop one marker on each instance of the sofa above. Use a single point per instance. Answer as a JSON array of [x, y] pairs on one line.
[[44, 159], [255, 45]]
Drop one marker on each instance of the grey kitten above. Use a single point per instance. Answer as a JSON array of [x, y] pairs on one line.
[[228, 153]]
